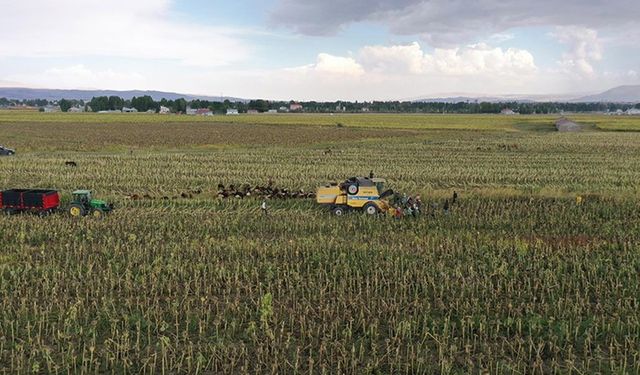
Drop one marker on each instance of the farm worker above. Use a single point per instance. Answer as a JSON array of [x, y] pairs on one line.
[[263, 207], [446, 206], [371, 174], [398, 214], [455, 197], [578, 200]]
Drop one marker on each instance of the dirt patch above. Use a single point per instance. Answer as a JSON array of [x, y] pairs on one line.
[[564, 125]]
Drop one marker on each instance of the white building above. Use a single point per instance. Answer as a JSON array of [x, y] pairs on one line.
[[232, 112], [129, 110], [164, 110], [633, 112], [51, 108], [508, 111]]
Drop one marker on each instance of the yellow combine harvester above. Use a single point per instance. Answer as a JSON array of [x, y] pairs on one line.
[[356, 193]]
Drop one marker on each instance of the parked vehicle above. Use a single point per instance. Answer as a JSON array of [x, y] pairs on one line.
[[6, 151], [30, 200]]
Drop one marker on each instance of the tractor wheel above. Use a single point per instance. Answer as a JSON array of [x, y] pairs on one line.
[[97, 213], [371, 209], [77, 210], [338, 211], [352, 189]]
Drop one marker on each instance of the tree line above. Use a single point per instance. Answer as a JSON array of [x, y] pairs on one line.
[[147, 103]]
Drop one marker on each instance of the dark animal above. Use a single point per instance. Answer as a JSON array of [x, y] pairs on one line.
[[70, 163]]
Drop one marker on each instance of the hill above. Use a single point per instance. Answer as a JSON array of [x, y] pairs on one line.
[[620, 94], [20, 93]]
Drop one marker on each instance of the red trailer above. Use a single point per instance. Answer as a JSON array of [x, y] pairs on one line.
[[34, 200]]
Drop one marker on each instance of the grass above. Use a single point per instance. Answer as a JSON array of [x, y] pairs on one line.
[[516, 278]]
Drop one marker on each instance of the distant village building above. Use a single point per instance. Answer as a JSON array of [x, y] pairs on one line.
[[272, 111], [283, 109], [191, 111], [164, 110], [77, 109], [51, 108], [232, 112], [129, 110], [295, 107], [365, 109], [204, 112], [633, 112], [508, 112], [252, 112]]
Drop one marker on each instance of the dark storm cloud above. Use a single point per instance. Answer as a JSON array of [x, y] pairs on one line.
[[452, 21]]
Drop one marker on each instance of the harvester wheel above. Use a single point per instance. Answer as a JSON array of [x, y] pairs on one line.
[[371, 209], [338, 211], [97, 213], [76, 210], [352, 189]]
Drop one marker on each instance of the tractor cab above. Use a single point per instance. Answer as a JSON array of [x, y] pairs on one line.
[[83, 204]]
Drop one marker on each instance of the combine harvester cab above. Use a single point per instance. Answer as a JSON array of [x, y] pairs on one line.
[[356, 193], [29, 200]]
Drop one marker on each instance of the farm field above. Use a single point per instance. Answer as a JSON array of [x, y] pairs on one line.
[[516, 278]]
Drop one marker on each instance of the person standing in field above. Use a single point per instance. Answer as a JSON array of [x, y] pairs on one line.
[[263, 208]]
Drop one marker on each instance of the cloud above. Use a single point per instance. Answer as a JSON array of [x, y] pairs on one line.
[[402, 71], [336, 66], [141, 29], [81, 77], [452, 22], [470, 60], [585, 48]]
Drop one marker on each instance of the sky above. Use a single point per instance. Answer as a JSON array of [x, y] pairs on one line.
[[322, 50]]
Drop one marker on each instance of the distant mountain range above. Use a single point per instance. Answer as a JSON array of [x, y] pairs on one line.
[[621, 94], [19, 93]]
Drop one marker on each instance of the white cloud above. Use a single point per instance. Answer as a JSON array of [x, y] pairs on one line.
[[141, 29], [81, 77], [585, 49], [469, 60], [329, 65], [394, 59]]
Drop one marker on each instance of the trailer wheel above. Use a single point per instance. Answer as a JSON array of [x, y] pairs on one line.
[[76, 210]]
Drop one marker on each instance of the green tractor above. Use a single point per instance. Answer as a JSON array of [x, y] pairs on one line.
[[83, 205]]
